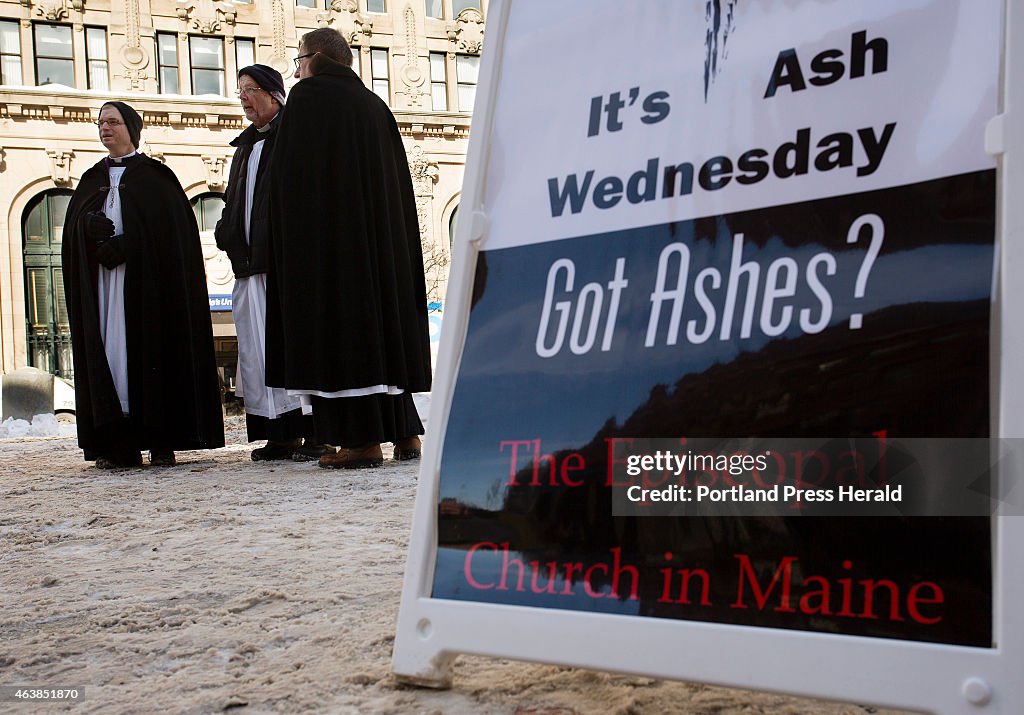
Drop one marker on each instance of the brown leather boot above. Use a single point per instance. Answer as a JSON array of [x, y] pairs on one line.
[[408, 448], [354, 458]]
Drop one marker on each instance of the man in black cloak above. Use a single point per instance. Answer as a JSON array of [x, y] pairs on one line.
[[135, 284], [346, 297], [243, 233]]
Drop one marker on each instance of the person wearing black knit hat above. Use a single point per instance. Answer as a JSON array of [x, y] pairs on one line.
[[242, 232], [135, 286]]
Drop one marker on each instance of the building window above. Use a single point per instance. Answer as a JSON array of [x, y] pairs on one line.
[[379, 74], [207, 60], [245, 52], [305, 3], [55, 56], [451, 226], [46, 313], [10, 53], [467, 68], [375, 6], [356, 63], [167, 62], [460, 5], [208, 208], [438, 82], [434, 8], [96, 57]]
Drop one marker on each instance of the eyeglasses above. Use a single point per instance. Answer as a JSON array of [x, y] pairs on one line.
[[302, 57], [248, 91], [112, 123]]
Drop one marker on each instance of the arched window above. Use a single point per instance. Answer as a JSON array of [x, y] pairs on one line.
[[46, 313], [208, 208], [451, 227]]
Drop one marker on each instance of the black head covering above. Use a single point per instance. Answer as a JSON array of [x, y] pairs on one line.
[[131, 119], [268, 78]]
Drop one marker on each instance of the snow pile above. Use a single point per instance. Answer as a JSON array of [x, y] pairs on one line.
[[41, 426]]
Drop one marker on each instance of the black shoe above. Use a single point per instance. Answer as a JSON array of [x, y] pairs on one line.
[[161, 458], [125, 460], [311, 453], [275, 450]]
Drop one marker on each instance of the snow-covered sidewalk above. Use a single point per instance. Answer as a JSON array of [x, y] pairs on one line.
[[223, 584]]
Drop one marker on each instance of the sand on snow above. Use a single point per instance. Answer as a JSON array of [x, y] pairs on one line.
[[223, 585]]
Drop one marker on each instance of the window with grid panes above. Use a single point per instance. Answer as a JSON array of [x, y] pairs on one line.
[[47, 326], [207, 61], [381, 84], [54, 55], [96, 57], [438, 82], [245, 52], [208, 209], [467, 69], [167, 62], [10, 53]]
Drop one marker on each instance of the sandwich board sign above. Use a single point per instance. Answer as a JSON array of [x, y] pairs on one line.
[[727, 310]]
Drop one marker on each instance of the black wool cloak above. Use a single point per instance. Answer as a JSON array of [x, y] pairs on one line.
[[346, 295], [173, 388]]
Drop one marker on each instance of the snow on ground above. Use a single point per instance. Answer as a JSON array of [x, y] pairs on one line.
[[40, 426], [226, 585]]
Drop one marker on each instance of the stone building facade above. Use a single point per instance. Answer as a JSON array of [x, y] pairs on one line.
[[176, 62]]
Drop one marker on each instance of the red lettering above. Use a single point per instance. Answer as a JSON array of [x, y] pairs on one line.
[[573, 462], [618, 569], [784, 571], [613, 443], [467, 565], [512, 468], [588, 578], [913, 600]]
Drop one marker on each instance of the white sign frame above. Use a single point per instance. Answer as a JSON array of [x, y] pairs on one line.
[[890, 673]]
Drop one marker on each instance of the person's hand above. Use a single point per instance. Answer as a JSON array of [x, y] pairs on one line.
[[98, 226], [110, 252]]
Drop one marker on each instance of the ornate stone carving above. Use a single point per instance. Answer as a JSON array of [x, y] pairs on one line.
[[351, 23], [54, 10], [133, 58], [424, 172], [424, 176], [218, 265], [279, 52], [411, 74], [207, 16], [60, 162], [215, 172], [466, 33]]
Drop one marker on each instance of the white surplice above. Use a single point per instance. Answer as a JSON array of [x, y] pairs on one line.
[[249, 309], [110, 289]]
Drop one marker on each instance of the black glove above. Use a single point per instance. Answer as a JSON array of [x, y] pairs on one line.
[[110, 253], [98, 226]]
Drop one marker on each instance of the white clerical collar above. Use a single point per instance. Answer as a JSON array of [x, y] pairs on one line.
[[266, 127], [119, 159]]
